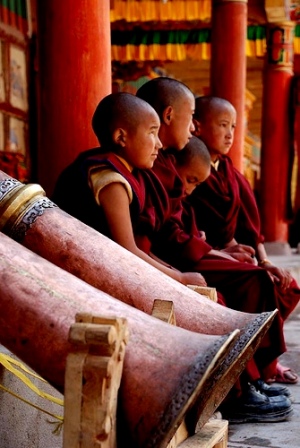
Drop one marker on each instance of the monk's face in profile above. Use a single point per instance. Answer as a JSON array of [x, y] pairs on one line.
[[177, 123], [193, 174], [140, 143], [217, 129]]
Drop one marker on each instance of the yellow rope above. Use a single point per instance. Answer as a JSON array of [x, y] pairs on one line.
[[59, 417], [7, 362], [22, 366]]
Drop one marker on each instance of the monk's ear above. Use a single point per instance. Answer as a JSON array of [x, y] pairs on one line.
[[119, 137], [167, 115], [197, 131]]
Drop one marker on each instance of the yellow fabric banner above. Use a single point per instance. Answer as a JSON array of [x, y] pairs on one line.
[[153, 10]]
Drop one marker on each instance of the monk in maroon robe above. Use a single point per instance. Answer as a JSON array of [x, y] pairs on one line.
[[225, 206]]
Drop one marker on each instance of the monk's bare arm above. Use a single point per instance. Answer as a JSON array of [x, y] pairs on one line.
[[115, 204]]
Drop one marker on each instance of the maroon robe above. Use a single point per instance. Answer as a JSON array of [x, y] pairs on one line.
[[216, 203], [173, 241], [73, 194], [225, 207]]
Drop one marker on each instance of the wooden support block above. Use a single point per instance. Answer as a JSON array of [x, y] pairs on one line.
[[92, 380], [214, 434], [211, 293], [180, 435], [164, 310]]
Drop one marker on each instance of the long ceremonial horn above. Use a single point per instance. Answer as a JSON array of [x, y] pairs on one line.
[[166, 368], [32, 219]]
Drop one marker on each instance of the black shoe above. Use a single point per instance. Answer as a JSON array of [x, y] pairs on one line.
[[255, 407], [271, 391]]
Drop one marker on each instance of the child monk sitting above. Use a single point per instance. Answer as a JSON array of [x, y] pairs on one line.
[[225, 207], [103, 187]]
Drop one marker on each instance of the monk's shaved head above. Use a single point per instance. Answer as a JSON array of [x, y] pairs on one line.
[[194, 150], [205, 105], [174, 103], [118, 110], [163, 92]]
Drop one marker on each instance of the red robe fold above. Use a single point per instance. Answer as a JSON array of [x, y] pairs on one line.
[[225, 207], [173, 241], [217, 203]]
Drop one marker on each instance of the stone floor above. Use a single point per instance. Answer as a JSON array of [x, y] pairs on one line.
[[284, 434]]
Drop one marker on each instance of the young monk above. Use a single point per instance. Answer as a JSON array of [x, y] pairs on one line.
[[225, 207], [244, 286], [103, 188]]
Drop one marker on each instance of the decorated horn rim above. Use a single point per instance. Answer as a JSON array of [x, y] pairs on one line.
[[20, 205]]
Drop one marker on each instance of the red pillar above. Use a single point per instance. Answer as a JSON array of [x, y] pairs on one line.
[[228, 63], [294, 229], [275, 141], [74, 58], [297, 125]]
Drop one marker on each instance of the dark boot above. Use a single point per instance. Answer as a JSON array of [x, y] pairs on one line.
[[271, 391], [256, 407]]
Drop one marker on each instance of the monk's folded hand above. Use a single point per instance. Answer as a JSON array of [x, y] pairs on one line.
[[193, 278], [280, 276], [241, 252], [243, 257], [240, 248]]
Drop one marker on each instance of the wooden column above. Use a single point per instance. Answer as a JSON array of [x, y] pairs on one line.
[[74, 70], [278, 72], [228, 63]]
